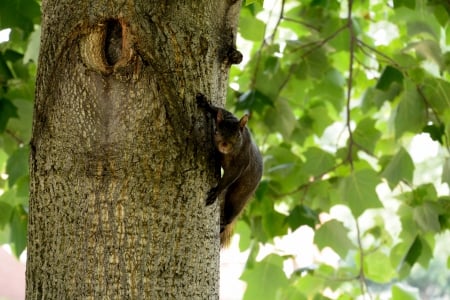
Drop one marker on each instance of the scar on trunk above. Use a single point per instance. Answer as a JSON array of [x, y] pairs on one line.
[[113, 41], [106, 46]]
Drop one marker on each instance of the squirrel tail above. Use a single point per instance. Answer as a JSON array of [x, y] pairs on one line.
[[226, 235]]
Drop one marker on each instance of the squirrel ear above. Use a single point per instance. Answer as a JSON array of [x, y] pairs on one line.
[[219, 117], [243, 121]]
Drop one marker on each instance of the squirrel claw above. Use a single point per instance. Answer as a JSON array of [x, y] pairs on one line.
[[201, 100]]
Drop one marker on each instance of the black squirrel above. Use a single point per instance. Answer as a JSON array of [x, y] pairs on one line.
[[241, 162]]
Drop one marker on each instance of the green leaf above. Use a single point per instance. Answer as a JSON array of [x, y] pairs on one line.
[[417, 23], [284, 167], [315, 64], [250, 27], [400, 294], [333, 234], [284, 125], [366, 135], [274, 224], [427, 251], [376, 97], [267, 273], [414, 252], [359, 190], [21, 126], [378, 268], [302, 215], [430, 50], [244, 235], [311, 285], [7, 111], [18, 237], [407, 3], [12, 197], [32, 51], [329, 90], [5, 72], [318, 116], [317, 162], [22, 14], [436, 132], [401, 167], [291, 293], [424, 193], [5, 213], [389, 76], [427, 216], [410, 114], [253, 100], [17, 165], [437, 93], [249, 2], [446, 172]]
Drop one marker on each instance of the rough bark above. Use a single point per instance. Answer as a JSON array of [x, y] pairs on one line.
[[121, 157]]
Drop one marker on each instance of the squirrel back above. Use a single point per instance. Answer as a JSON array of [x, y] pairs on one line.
[[242, 166]]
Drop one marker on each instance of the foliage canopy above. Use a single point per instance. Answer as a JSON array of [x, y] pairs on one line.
[[350, 104]]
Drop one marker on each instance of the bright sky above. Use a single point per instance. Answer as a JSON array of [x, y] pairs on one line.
[[4, 35]]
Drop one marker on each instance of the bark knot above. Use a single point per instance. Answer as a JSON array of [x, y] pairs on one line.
[[107, 46]]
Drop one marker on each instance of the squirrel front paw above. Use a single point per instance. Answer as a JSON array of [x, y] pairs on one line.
[[212, 196]]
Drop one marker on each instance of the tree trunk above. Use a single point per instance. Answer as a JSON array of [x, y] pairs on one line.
[[121, 157]]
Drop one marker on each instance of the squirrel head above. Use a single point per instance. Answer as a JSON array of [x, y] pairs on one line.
[[228, 133]]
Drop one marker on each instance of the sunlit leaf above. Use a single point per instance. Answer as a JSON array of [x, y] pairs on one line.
[[251, 28], [437, 93], [274, 224], [19, 223], [319, 118], [399, 293], [267, 273], [284, 125], [366, 135], [32, 51], [417, 23], [430, 50], [446, 172], [5, 213], [315, 64], [311, 285], [427, 216], [358, 190], [317, 161], [17, 165], [378, 267], [410, 115], [400, 167], [333, 234]]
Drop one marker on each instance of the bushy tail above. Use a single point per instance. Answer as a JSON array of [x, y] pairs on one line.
[[226, 235]]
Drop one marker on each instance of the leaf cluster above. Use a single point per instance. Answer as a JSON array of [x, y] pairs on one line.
[[339, 93], [18, 57]]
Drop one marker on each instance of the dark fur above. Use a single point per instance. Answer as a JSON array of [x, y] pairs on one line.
[[241, 162]]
